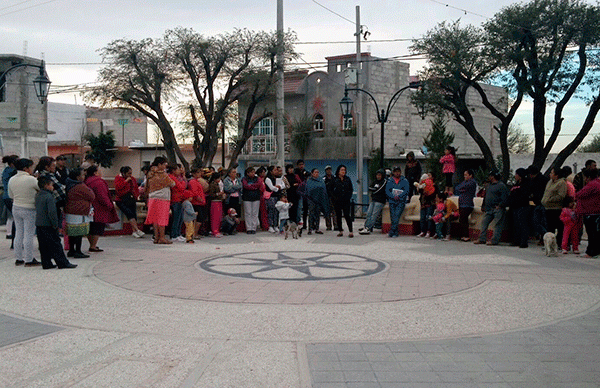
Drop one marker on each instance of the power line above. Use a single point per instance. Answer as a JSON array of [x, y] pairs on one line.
[[23, 9], [460, 9], [333, 12], [353, 41], [15, 5]]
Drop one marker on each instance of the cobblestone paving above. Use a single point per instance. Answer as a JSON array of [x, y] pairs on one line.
[[565, 354], [14, 330]]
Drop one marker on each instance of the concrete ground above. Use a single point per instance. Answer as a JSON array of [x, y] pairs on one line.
[[321, 311]]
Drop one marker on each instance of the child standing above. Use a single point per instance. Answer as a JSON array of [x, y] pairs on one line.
[[189, 216], [46, 225], [215, 196], [571, 223], [283, 207], [448, 162], [451, 210], [438, 214]]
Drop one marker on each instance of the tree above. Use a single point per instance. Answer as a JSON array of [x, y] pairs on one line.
[[137, 75], [518, 141], [526, 48], [550, 45], [592, 146], [436, 142], [222, 70], [102, 147], [301, 134]]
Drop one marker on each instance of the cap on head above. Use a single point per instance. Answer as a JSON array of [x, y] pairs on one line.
[[232, 212]]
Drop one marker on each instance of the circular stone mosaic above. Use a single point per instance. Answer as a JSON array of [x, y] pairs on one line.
[[293, 265]]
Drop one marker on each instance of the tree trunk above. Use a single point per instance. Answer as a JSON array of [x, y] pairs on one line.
[[539, 131], [171, 147]]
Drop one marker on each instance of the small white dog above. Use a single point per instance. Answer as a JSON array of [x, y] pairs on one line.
[[550, 244], [292, 228]]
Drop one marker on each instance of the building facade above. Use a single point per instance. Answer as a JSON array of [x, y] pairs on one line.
[[23, 119]]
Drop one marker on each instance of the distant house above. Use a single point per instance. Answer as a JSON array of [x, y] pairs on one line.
[[316, 96], [23, 119]]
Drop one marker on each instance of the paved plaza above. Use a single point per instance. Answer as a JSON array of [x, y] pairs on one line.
[[320, 311]]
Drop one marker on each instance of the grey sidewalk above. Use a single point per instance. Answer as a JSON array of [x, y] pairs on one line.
[[322, 311]]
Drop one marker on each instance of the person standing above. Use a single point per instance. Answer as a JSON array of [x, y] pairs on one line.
[[588, 207], [275, 186], [22, 188], [448, 162], [47, 226], [176, 175], [263, 213], [466, 192], [232, 187], [412, 172], [303, 175], [554, 196], [251, 195], [494, 206], [8, 172], [198, 186], [158, 188], [330, 221], [342, 197], [104, 209], [538, 184], [396, 190], [571, 228], [317, 200], [428, 193], [62, 171], [378, 200], [78, 211], [518, 203], [126, 195], [293, 197], [578, 179]]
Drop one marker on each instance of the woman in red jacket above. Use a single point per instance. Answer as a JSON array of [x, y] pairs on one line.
[[176, 174], [198, 199], [78, 211], [127, 193], [104, 209]]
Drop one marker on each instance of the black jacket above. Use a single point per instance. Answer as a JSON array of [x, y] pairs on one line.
[[519, 194], [377, 190], [538, 186], [342, 190]]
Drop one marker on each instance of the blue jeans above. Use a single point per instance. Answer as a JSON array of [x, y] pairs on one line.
[[425, 219], [177, 222], [439, 227], [373, 212], [495, 214], [283, 223], [396, 209]]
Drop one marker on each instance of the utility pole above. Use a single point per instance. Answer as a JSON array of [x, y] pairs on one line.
[[280, 90], [359, 132]]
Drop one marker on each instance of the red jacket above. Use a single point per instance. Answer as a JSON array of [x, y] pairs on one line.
[[104, 209], [123, 187], [198, 199], [79, 200], [588, 199], [178, 189]]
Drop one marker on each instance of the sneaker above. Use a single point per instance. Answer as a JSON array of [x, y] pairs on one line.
[[427, 235], [576, 252], [271, 230], [422, 234], [318, 232], [565, 252], [218, 235], [364, 231], [180, 239], [138, 234], [447, 238]]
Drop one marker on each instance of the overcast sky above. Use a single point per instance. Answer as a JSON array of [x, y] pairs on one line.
[[69, 33]]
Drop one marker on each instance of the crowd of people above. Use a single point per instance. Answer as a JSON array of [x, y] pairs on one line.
[[51, 200]]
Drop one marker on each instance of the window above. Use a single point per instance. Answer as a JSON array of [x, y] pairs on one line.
[[263, 138], [318, 122]]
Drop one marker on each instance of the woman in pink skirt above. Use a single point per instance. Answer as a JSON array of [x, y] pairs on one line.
[[159, 199]]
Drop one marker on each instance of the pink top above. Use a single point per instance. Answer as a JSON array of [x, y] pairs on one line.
[[568, 216], [448, 164], [570, 189]]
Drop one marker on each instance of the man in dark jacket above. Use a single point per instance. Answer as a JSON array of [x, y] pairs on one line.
[[330, 221], [494, 206], [518, 203], [578, 179], [302, 205], [378, 200], [46, 223], [537, 183]]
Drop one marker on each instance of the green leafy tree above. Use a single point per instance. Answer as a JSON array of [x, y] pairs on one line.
[[436, 142], [543, 50], [102, 147], [301, 134], [592, 146]]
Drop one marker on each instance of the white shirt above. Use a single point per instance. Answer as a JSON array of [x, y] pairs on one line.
[[22, 188]]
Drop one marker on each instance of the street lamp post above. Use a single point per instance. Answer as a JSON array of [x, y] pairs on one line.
[[382, 116], [41, 83]]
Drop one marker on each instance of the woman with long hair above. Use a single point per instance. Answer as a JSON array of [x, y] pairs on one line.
[[342, 197], [126, 195], [104, 209], [159, 199]]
